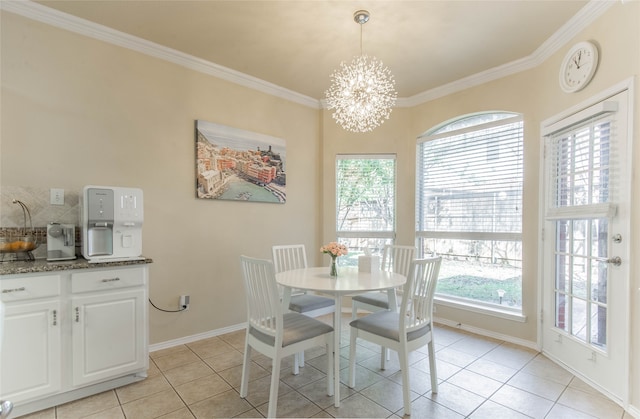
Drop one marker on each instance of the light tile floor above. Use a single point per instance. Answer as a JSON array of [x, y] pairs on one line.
[[478, 378]]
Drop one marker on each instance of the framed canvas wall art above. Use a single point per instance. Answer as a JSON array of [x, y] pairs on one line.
[[238, 165]]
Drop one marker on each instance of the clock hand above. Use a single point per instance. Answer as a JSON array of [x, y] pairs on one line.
[[577, 59]]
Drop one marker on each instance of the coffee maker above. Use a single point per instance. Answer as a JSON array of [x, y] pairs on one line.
[[61, 241]]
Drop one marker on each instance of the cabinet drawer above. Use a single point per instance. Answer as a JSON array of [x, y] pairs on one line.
[[18, 289], [106, 280]]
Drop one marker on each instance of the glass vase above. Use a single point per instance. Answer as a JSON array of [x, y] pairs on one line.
[[333, 272]]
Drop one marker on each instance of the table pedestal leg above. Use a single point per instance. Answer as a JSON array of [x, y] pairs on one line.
[[337, 322]]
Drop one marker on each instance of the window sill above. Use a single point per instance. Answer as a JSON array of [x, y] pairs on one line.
[[508, 314]]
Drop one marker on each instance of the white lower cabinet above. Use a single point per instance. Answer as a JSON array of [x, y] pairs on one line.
[[107, 335], [71, 334], [31, 351]]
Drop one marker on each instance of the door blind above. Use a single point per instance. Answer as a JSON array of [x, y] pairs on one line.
[[583, 169]]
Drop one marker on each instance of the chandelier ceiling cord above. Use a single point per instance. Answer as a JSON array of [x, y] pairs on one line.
[[362, 94]]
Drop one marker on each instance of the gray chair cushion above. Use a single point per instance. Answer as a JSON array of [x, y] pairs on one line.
[[307, 302], [386, 324], [297, 327], [378, 299]]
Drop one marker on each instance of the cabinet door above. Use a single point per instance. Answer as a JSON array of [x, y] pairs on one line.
[[30, 352], [108, 334]]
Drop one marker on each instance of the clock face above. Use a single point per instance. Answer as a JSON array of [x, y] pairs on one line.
[[578, 66]]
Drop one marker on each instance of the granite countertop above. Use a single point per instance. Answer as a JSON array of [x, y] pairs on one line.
[[42, 265]]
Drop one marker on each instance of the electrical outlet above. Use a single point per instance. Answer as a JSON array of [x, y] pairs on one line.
[[56, 196], [184, 302]]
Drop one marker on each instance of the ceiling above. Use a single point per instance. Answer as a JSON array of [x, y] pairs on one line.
[[297, 44]]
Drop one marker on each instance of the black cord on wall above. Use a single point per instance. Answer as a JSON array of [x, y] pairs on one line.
[[166, 311]]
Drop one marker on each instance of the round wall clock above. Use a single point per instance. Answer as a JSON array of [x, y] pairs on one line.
[[578, 66]]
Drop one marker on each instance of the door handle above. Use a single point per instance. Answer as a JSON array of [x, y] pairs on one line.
[[616, 261]]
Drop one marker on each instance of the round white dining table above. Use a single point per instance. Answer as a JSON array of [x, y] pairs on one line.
[[349, 281]]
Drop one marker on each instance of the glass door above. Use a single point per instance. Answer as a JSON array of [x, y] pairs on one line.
[[585, 313]]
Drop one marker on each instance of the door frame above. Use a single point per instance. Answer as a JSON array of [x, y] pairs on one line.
[[625, 85]]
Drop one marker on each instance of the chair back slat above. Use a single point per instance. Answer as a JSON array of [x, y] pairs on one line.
[[417, 298], [397, 258], [264, 310], [288, 257]]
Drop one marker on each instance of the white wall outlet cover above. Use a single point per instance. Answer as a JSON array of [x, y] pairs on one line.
[[57, 196]]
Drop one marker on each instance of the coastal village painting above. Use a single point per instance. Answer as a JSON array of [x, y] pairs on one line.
[[238, 165]]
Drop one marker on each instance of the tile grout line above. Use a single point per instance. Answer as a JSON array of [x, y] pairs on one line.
[[217, 375], [460, 336]]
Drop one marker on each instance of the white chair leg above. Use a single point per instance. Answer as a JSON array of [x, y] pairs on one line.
[[352, 358], [406, 391], [273, 391], [246, 367], [383, 357], [432, 367], [354, 311], [296, 364], [302, 359]]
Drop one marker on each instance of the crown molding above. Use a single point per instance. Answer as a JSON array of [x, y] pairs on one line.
[[81, 26], [585, 16]]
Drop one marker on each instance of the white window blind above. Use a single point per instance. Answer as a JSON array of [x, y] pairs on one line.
[[469, 209], [583, 167], [469, 182]]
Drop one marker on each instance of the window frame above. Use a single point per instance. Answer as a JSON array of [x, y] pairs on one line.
[[442, 131], [387, 236]]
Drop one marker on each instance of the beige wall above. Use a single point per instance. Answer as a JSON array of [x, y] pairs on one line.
[[76, 111]]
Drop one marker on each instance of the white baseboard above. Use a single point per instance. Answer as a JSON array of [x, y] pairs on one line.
[[487, 333], [188, 339], [633, 411]]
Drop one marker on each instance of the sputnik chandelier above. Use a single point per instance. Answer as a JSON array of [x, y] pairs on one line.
[[362, 94]]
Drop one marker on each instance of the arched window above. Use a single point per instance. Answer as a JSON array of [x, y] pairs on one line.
[[469, 207]]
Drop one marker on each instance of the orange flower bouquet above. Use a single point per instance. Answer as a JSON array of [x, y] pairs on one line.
[[334, 249]]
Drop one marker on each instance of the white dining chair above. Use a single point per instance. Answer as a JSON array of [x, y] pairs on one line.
[[294, 256], [407, 330], [395, 258], [274, 333]]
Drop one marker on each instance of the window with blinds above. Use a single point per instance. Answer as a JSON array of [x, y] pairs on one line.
[[365, 203], [469, 206], [582, 164]]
